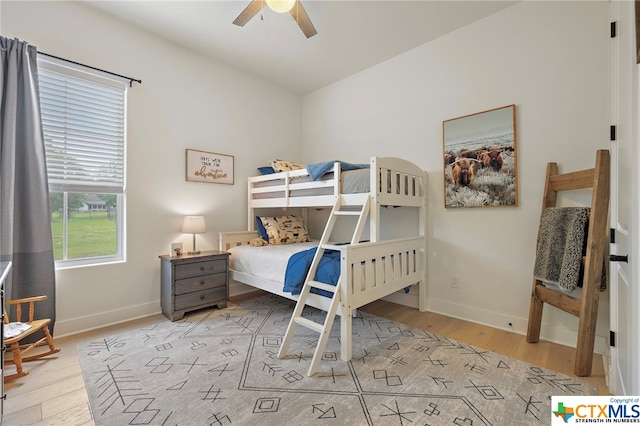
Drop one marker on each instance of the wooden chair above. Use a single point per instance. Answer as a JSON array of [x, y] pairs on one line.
[[585, 308], [17, 349]]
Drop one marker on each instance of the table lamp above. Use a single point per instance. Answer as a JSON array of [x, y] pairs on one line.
[[194, 225]]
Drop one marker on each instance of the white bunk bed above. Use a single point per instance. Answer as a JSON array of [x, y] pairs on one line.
[[373, 269]]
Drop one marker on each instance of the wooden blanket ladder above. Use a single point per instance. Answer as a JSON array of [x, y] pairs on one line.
[[585, 308], [340, 208]]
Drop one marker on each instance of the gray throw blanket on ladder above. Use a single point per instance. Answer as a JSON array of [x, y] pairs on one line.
[[561, 240]]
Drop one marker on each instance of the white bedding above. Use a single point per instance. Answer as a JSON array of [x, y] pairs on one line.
[[268, 262]]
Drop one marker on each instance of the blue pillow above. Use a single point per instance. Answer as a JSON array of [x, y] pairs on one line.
[[266, 170], [261, 231]]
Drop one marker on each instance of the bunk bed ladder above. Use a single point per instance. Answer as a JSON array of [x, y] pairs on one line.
[[296, 318]]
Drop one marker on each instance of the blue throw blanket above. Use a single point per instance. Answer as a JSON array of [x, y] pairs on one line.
[[298, 266], [317, 170]]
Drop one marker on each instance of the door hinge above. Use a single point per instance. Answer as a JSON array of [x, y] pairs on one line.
[[612, 132], [612, 338], [612, 235], [614, 28]]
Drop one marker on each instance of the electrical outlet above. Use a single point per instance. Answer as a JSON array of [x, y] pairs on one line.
[[454, 282]]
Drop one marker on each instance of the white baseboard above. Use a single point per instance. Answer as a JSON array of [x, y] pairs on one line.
[[401, 298], [550, 332], [128, 313], [105, 319]]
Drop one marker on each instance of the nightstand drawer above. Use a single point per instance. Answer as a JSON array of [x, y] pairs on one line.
[[204, 297], [196, 269], [189, 285]]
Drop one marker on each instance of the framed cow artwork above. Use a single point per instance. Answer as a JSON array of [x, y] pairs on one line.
[[480, 167]]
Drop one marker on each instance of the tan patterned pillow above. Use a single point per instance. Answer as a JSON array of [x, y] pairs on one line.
[[285, 230], [285, 166], [258, 242]]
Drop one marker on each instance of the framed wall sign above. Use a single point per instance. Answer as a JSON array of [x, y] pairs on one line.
[[209, 167], [480, 159]]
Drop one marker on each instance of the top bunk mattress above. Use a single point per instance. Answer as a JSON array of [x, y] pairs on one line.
[[392, 181], [352, 182]]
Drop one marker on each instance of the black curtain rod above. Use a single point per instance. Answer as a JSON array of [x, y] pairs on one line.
[[131, 79]]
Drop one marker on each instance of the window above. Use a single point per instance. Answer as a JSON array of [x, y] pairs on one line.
[[83, 119]]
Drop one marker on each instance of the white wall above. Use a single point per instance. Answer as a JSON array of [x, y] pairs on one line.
[[184, 101], [548, 58]]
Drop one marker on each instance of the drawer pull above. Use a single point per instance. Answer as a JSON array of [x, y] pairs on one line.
[[201, 282], [202, 268], [202, 296]]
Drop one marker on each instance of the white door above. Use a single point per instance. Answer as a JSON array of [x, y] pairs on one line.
[[624, 375]]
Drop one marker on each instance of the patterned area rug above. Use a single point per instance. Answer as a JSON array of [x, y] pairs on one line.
[[219, 367]]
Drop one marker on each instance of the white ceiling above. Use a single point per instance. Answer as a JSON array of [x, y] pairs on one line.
[[352, 35]]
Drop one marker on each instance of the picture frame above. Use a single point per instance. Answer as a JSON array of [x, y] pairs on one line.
[[480, 159], [175, 250], [209, 167]]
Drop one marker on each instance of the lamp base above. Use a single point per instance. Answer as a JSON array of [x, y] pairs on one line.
[[194, 246]]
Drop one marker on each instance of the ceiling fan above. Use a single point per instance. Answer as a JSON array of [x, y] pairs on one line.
[[292, 6]]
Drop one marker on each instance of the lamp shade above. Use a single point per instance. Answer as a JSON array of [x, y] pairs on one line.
[[281, 6], [194, 225]]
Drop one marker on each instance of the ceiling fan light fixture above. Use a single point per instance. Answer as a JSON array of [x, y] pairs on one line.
[[281, 6]]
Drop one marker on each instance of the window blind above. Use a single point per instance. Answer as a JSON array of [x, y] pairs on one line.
[[83, 120]]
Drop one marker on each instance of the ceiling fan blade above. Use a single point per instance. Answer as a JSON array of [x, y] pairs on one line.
[[249, 12], [301, 17]]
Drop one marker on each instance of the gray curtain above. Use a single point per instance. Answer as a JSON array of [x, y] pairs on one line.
[[25, 219]]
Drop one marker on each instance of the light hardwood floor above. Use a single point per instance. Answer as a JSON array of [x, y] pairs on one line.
[[54, 393]]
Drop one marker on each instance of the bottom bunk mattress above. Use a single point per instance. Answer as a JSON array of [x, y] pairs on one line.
[[287, 264], [267, 262]]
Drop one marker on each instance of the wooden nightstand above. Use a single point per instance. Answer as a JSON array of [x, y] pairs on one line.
[[193, 281]]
